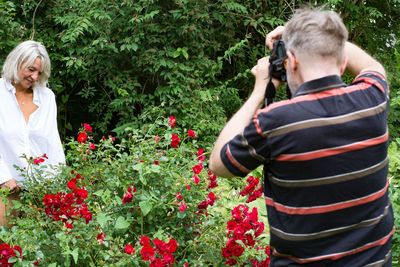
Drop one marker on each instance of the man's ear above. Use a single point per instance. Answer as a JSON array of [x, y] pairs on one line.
[[293, 62], [343, 65]]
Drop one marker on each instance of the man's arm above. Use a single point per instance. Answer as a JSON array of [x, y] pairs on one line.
[[359, 61], [242, 117]]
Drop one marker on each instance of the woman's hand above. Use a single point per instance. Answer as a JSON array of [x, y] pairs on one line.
[[12, 185]]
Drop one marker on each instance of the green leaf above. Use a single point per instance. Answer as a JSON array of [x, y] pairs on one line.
[[12, 260], [16, 204], [155, 168], [146, 207], [121, 223], [185, 54], [102, 219], [75, 254]]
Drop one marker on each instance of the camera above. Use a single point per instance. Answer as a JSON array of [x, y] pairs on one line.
[[277, 60]]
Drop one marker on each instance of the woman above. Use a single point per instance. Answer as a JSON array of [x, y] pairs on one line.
[[28, 115]]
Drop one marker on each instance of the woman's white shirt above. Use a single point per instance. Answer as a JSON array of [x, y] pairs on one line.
[[37, 137]]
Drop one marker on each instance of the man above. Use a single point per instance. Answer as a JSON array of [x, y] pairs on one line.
[[325, 149]]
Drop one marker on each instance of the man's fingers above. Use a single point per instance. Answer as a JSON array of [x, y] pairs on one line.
[[273, 36]]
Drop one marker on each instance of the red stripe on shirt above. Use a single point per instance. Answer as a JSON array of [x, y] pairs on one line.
[[337, 256], [326, 208], [373, 73], [234, 161], [257, 125], [371, 81], [333, 151], [316, 96]]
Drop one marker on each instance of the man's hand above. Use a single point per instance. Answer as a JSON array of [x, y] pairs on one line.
[[260, 71], [273, 36], [12, 185]]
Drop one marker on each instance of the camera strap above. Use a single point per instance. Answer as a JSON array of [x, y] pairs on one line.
[[270, 92]]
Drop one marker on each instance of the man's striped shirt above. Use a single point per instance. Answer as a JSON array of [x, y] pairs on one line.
[[326, 189]]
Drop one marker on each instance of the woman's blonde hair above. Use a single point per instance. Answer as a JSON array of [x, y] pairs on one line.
[[316, 32], [26, 53]]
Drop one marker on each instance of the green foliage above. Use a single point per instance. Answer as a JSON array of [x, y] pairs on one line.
[[163, 178], [120, 64], [115, 60], [394, 169]]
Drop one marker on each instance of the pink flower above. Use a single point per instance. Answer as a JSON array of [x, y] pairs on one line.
[[182, 206], [191, 134], [172, 121], [37, 161], [92, 146], [187, 186], [157, 138]]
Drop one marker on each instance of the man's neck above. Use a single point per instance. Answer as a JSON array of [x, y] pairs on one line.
[[320, 72]]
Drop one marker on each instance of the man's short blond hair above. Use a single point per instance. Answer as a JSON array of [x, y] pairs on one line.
[[316, 32]]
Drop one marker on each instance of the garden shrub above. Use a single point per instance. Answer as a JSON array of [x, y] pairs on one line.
[[147, 198]]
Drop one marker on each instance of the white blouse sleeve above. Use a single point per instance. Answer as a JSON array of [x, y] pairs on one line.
[[5, 174], [57, 151]]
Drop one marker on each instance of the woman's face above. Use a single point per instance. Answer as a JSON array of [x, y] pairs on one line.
[[28, 75]]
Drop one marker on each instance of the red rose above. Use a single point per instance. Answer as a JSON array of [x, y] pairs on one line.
[[226, 252], [191, 134], [200, 155], [82, 137], [196, 179], [172, 245], [129, 249], [160, 245], [178, 196], [168, 258], [237, 251], [87, 127], [72, 184], [100, 238], [197, 169], [231, 262], [172, 121], [147, 253], [80, 193], [175, 140], [156, 262], [145, 241], [182, 206]]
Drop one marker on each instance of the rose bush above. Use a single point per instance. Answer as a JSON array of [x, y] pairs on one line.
[[145, 199]]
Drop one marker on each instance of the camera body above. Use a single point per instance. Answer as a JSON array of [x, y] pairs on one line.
[[277, 60]]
